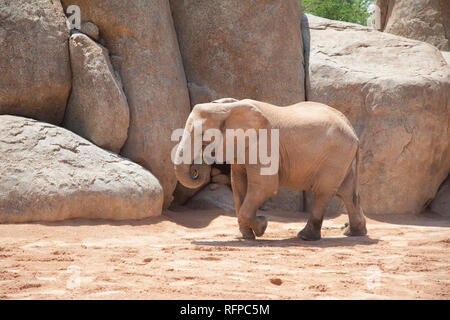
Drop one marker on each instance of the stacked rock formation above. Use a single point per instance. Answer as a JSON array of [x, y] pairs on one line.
[[129, 76]]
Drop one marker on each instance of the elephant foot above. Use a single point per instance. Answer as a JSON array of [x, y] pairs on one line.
[[309, 234], [354, 232], [259, 225], [247, 233]]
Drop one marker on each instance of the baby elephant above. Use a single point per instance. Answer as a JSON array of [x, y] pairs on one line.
[[312, 145]]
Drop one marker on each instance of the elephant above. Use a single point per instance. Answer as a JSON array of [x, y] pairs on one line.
[[317, 147]]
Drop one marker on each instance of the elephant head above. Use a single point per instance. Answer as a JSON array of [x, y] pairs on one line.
[[192, 171]]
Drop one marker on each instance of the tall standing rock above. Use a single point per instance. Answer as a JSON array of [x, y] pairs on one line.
[[97, 108], [241, 49], [424, 20], [141, 39], [35, 75], [396, 93]]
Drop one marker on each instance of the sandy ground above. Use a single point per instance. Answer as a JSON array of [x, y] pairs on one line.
[[196, 255]]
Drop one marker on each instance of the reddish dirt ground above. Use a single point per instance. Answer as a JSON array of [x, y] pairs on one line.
[[196, 255]]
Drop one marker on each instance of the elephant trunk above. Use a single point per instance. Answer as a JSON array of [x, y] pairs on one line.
[[193, 175], [190, 175]]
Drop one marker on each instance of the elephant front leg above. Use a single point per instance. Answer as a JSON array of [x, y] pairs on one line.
[[251, 225], [259, 189], [239, 186]]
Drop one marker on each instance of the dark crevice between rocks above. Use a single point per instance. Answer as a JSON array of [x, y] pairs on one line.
[[306, 38], [440, 204]]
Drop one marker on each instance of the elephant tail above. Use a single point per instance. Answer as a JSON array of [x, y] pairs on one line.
[[356, 180]]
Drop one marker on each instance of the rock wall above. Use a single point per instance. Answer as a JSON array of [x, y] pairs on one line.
[[141, 39], [424, 20], [395, 92], [241, 49], [35, 76]]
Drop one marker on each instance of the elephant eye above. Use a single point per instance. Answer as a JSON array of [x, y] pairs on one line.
[[194, 174]]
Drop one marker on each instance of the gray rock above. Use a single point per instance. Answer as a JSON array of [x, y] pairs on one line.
[[91, 30], [285, 200], [298, 201], [97, 108], [48, 173], [34, 60], [217, 196], [241, 49], [424, 20], [395, 92], [142, 41], [182, 194]]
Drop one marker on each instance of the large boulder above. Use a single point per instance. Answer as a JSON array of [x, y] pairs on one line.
[[213, 196], [285, 200], [144, 50], [296, 201], [182, 194], [424, 20], [48, 173], [241, 49], [97, 108], [34, 59], [395, 92]]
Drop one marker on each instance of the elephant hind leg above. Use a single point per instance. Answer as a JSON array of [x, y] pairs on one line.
[[357, 221], [312, 230]]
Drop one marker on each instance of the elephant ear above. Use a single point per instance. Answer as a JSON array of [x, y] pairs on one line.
[[244, 115]]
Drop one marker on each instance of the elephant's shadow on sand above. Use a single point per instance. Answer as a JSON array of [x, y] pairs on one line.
[[291, 242], [202, 218], [197, 219]]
